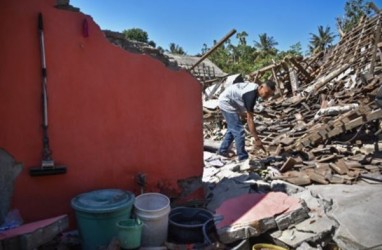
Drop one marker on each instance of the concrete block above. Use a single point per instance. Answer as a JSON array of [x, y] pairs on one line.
[[284, 220], [356, 208], [317, 205], [33, 235], [312, 230], [227, 188], [255, 215]]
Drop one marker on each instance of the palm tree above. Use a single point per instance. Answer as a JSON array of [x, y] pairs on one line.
[[176, 49], [242, 37], [322, 40], [266, 45]]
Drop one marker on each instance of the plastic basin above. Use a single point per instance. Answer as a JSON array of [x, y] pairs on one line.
[[97, 213]]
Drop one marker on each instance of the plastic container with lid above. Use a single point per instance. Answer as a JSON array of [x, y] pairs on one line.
[[97, 213]]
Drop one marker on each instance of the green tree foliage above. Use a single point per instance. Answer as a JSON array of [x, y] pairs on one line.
[[162, 50], [266, 45], [294, 50], [232, 58], [136, 34], [354, 10], [321, 41], [152, 43], [176, 49], [220, 56], [243, 58]]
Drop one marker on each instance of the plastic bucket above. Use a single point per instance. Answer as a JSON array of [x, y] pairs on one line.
[[267, 246], [129, 233], [153, 210], [186, 225], [97, 214]]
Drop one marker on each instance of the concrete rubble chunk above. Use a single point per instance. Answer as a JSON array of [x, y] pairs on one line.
[[284, 220], [227, 188], [306, 246], [34, 234], [256, 214], [323, 127], [356, 210], [313, 230]]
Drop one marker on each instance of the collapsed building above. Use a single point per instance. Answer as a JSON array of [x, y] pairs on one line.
[[321, 128], [324, 106]]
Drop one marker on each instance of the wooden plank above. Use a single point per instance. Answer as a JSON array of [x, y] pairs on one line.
[[355, 123], [305, 106], [278, 89], [316, 177], [327, 158], [289, 163], [212, 92], [376, 114], [375, 47], [300, 68], [315, 137], [336, 131], [293, 81], [339, 167], [323, 132]]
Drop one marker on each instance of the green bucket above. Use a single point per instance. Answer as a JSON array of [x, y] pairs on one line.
[[129, 233], [97, 214]]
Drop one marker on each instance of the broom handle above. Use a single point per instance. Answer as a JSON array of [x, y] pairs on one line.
[[44, 73], [47, 153]]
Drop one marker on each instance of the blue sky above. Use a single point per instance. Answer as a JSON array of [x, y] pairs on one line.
[[191, 23]]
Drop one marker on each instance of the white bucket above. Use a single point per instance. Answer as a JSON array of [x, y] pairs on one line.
[[153, 210]]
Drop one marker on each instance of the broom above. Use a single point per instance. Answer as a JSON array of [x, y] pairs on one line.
[[47, 166]]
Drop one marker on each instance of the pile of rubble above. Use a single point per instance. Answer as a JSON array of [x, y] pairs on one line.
[[321, 127], [121, 41], [323, 124]]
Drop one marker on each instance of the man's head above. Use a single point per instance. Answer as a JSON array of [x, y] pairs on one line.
[[267, 89]]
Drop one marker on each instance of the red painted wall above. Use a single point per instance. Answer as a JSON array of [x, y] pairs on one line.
[[112, 114]]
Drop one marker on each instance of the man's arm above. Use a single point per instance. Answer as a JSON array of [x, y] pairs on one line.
[[253, 131]]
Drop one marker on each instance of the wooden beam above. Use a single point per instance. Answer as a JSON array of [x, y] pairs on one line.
[[262, 70], [300, 68], [375, 48]]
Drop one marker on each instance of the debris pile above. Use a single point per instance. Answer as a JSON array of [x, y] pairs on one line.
[[121, 41], [322, 126]]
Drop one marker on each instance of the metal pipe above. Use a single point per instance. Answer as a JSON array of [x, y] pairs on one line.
[[217, 45]]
